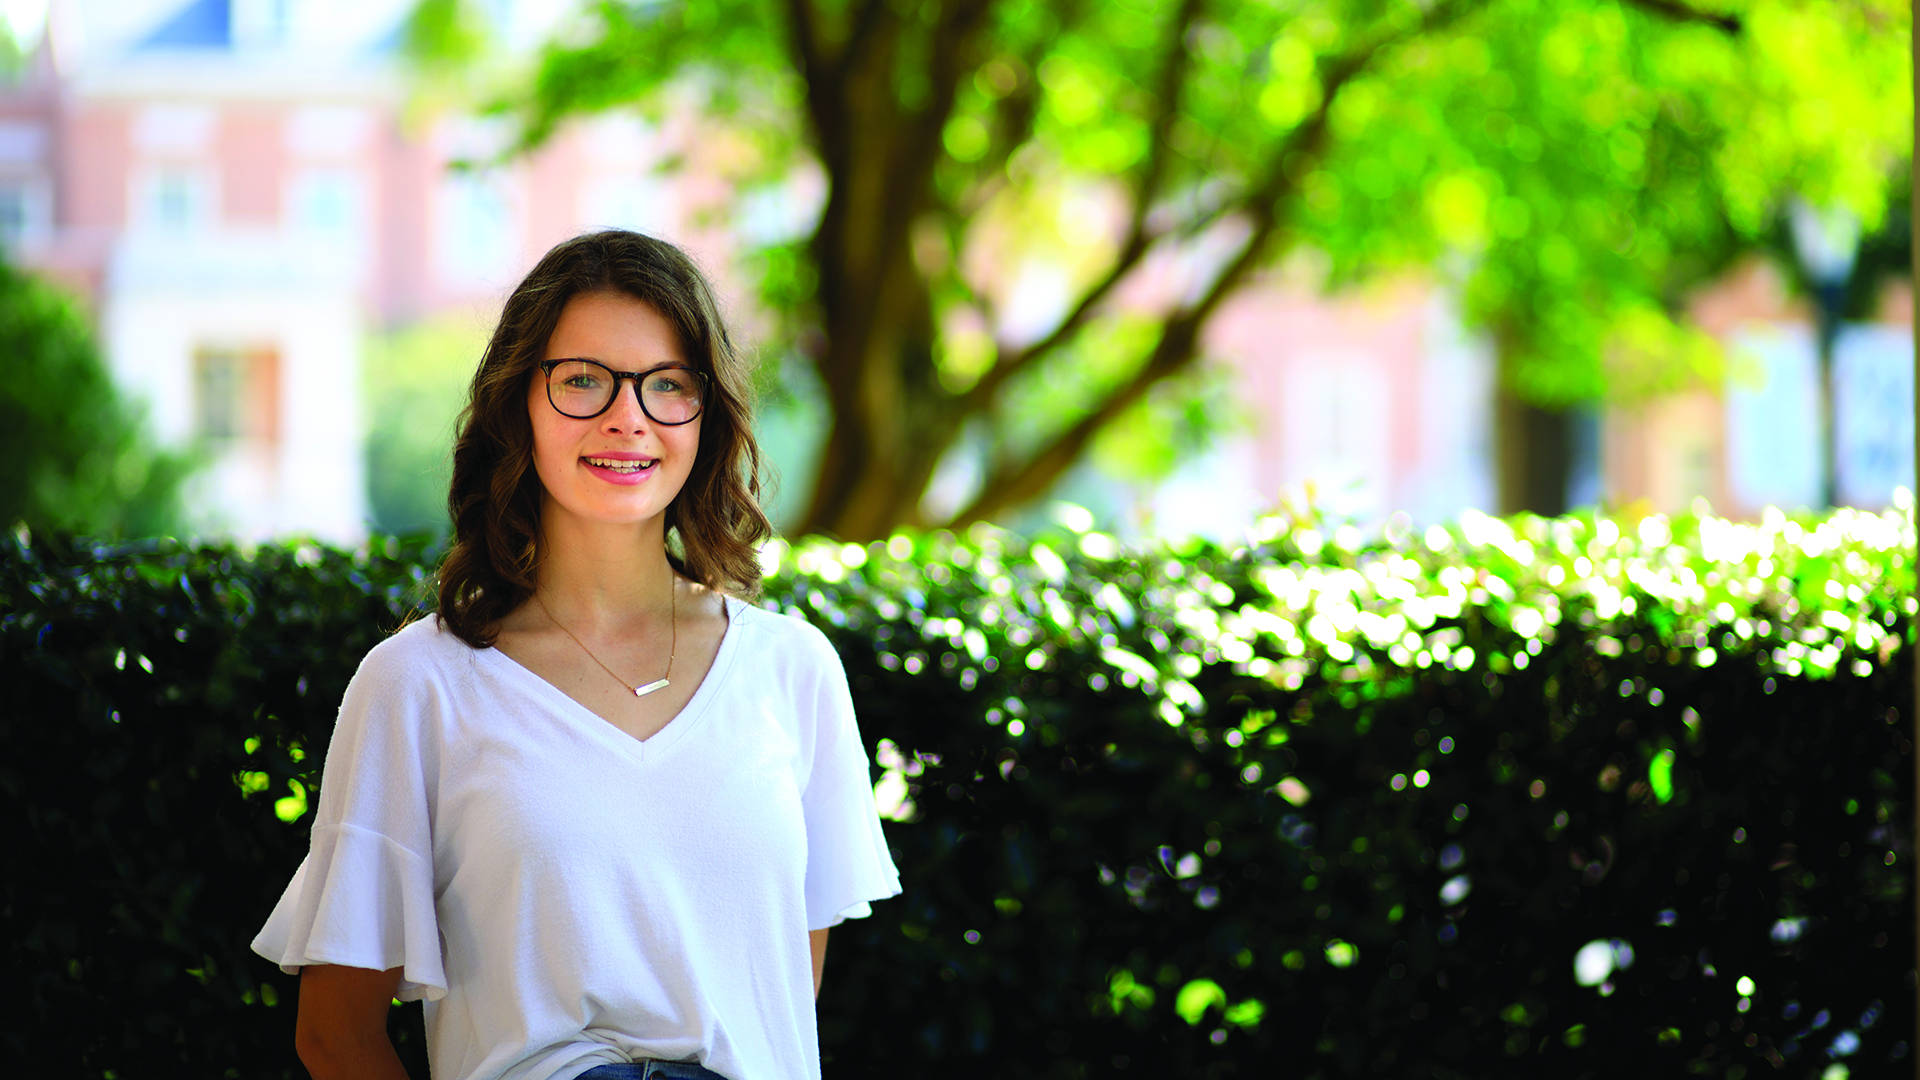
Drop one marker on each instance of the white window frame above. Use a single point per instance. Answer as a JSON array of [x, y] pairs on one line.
[[203, 191]]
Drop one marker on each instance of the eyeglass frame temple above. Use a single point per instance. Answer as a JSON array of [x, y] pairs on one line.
[[706, 384]]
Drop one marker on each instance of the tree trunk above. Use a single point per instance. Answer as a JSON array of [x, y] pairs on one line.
[[1830, 301], [1533, 453], [891, 419]]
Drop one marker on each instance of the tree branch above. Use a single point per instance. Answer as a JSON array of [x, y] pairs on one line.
[[981, 394], [1138, 240], [1678, 11], [1173, 79], [1178, 345], [1014, 115], [1176, 350], [825, 81], [866, 23], [953, 40], [1032, 477], [804, 31], [1308, 137]]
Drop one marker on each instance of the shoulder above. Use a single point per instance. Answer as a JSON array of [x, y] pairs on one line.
[[397, 698], [421, 648], [784, 638], [792, 659]]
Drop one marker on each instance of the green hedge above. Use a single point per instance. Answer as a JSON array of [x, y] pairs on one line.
[[1325, 804]]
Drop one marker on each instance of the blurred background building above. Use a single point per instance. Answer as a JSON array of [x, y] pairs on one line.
[[292, 255], [240, 191], [1754, 442]]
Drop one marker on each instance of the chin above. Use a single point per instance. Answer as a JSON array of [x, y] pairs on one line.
[[628, 516]]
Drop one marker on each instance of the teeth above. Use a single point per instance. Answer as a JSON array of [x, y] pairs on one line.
[[621, 466]]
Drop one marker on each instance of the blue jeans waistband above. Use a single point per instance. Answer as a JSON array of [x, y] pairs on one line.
[[651, 1070]]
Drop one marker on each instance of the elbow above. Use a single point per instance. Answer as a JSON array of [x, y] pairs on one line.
[[306, 1046], [311, 1046], [325, 1053]]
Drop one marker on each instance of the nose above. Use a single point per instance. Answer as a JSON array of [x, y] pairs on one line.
[[625, 414]]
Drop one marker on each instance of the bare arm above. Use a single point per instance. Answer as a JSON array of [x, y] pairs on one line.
[[817, 941], [341, 1030]]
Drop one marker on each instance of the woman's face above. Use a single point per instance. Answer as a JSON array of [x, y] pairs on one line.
[[619, 467]]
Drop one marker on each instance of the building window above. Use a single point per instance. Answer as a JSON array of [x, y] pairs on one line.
[[328, 201], [1773, 421], [1335, 428], [475, 238], [236, 395], [23, 209], [175, 198], [13, 211]]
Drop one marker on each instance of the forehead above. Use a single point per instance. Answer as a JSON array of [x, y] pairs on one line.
[[616, 330]]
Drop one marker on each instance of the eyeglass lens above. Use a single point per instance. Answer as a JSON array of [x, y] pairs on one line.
[[585, 388]]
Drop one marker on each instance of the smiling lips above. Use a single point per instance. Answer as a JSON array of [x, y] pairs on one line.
[[622, 465]]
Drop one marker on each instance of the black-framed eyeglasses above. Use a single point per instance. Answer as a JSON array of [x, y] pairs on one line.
[[583, 389]]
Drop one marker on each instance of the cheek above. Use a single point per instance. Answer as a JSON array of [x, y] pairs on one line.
[[687, 441], [537, 423], [553, 451]]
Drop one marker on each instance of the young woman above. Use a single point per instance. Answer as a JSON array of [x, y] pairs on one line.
[[598, 813]]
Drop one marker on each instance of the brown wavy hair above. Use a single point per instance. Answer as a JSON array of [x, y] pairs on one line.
[[715, 522]]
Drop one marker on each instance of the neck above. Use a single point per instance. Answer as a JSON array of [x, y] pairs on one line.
[[596, 573]]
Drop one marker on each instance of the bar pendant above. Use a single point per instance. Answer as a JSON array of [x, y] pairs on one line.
[[643, 691]]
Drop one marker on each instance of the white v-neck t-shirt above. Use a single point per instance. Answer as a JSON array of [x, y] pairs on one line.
[[563, 895]]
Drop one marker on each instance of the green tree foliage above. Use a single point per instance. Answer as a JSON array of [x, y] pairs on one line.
[[444, 31], [1885, 255], [415, 383], [1575, 164], [78, 455], [13, 59], [1599, 160]]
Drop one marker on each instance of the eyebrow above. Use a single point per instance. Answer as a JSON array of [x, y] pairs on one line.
[[605, 364]]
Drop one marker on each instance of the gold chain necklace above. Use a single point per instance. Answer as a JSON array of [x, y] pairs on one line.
[[673, 623]]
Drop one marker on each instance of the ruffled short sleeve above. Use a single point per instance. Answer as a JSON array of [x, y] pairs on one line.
[[361, 900], [364, 895], [848, 863]]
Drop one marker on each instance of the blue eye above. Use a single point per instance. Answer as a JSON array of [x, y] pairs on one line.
[[577, 376]]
